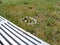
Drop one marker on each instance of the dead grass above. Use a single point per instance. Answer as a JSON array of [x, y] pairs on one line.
[[46, 12]]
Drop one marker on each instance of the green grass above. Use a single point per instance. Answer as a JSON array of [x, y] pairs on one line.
[[47, 13]]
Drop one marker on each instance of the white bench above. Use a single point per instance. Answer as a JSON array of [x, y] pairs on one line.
[[10, 34]]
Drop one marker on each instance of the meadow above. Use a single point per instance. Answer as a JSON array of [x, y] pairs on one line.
[[46, 12]]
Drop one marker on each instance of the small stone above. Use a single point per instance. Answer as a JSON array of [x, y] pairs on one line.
[[25, 20]]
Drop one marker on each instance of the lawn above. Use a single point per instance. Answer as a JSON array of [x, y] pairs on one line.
[[46, 12]]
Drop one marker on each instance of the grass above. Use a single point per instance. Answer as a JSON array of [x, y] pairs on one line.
[[46, 12]]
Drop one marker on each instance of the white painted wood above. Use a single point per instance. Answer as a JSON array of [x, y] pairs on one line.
[[3, 40], [7, 38]]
